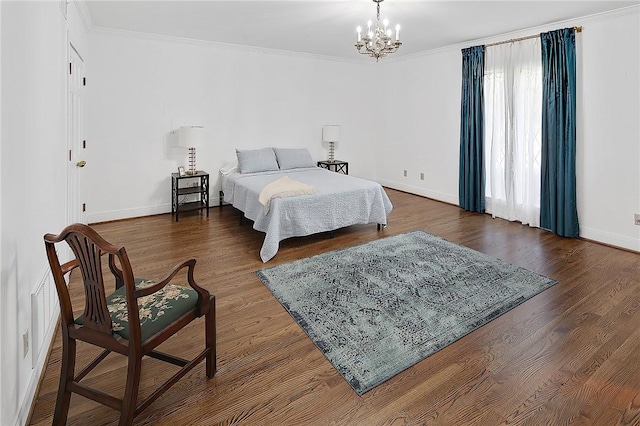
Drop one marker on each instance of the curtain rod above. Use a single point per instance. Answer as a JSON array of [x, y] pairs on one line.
[[513, 40]]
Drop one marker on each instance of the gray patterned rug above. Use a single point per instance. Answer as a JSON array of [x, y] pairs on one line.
[[376, 309]]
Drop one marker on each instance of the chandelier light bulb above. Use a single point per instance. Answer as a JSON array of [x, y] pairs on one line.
[[359, 31], [385, 22], [397, 32]]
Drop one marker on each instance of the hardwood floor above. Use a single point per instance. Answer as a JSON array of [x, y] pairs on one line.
[[568, 355]]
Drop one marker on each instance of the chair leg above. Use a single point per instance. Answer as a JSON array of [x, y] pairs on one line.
[[66, 376], [210, 336], [130, 399]]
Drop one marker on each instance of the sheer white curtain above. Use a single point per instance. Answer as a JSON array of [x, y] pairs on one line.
[[513, 124]]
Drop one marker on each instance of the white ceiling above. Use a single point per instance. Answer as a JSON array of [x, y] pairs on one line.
[[327, 27]]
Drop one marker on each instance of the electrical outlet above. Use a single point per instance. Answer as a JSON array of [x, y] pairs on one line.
[[421, 176], [25, 344], [636, 218], [405, 173]]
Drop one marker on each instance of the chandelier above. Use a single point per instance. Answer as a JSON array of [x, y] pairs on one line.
[[377, 42]]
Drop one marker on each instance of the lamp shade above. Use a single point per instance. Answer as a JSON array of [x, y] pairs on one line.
[[190, 136], [330, 133]]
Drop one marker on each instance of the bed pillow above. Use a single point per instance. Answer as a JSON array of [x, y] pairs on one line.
[[256, 160], [293, 158]]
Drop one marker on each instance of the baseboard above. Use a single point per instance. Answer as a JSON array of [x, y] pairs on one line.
[[111, 215], [436, 195], [107, 216], [616, 240], [609, 238], [595, 235]]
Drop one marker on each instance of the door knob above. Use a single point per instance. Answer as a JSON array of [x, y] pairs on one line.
[[81, 163]]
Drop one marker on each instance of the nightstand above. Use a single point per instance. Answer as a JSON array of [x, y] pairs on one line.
[[335, 166], [196, 186]]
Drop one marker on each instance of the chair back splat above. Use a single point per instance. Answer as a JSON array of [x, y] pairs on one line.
[[111, 318]]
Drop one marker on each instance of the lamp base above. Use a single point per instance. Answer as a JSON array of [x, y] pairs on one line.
[[331, 146], [192, 161]]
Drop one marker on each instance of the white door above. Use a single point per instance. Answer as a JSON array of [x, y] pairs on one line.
[[76, 145]]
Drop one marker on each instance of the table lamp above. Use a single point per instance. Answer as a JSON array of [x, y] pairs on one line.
[[191, 137], [331, 134]]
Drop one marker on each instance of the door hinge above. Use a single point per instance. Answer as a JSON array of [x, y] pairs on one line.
[[84, 144], [69, 155], [84, 81], [70, 69], [84, 207]]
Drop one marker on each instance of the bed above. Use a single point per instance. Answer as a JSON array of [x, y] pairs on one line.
[[339, 200]]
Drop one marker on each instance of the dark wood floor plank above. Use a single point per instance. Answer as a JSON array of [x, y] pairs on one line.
[[568, 355]]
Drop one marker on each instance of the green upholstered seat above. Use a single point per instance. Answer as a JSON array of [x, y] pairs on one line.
[[156, 310]]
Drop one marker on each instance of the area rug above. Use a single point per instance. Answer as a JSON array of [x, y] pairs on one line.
[[376, 309]]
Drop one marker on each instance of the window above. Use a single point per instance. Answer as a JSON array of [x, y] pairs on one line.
[[513, 126]]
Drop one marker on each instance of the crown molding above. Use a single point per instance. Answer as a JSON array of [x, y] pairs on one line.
[[83, 13], [581, 21], [218, 45], [93, 29]]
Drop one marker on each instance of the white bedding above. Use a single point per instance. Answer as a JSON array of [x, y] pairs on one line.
[[340, 201]]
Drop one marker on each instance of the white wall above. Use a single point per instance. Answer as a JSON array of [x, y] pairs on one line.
[[142, 87], [3, 345], [609, 144], [32, 179], [423, 127], [422, 133]]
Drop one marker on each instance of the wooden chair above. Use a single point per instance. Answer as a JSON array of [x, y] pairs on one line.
[[125, 321]]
